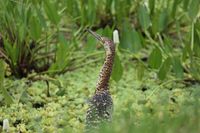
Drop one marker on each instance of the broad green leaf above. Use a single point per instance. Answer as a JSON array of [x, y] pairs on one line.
[[163, 19], [136, 41], [8, 98], [193, 9], [126, 37], [35, 28], [51, 11], [143, 17], [164, 69], [130, 38], [155, 58], [117, 71], [177, 67], [160, 20]]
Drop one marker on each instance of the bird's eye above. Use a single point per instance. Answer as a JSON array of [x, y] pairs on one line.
[[109, 41]]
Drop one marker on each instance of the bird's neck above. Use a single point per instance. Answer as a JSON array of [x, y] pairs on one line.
[[106, 71]]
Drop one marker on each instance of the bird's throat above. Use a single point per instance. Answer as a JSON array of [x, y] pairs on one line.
[[106, 71]]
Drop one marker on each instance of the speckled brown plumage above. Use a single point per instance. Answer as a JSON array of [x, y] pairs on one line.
[[101, 104], [106, 70]]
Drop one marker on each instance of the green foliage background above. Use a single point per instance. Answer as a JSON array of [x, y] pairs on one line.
[[40, 41]]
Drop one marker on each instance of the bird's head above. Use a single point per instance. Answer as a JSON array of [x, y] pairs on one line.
[[106, 42]]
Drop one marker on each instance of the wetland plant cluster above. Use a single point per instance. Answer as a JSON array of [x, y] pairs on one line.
[[49, 64]]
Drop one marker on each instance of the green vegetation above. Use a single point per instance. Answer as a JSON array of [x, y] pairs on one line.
[[49, 64]]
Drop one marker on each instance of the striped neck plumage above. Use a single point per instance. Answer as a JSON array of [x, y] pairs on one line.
[[105, 73]]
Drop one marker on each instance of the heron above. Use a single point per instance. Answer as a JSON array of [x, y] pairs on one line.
[[101, 104]]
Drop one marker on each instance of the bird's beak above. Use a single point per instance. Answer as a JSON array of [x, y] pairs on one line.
[[97, 36]]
